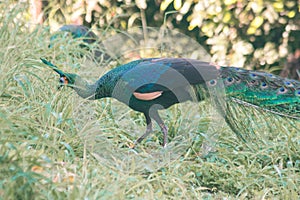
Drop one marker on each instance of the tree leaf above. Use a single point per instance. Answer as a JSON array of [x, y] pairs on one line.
[[177, 4]]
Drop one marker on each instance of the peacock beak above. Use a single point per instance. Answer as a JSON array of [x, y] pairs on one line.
[[52, 66], [59, 72], [63, 79]]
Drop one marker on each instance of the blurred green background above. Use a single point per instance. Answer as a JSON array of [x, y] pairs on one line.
[[257, 34]]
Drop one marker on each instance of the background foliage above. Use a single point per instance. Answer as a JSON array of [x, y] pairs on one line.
[[253, 34]]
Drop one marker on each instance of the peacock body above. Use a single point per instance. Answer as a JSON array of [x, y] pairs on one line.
[[149, 85], [76, 31]]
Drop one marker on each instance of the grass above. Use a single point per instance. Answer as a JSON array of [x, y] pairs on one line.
[[54, 145]]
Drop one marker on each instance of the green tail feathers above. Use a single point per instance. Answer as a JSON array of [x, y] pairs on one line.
[[258, 102], [272, 93]]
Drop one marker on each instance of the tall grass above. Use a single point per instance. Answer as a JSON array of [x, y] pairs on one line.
[[54, 145]]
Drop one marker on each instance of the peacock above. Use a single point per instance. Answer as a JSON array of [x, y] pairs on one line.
[[152, 84], [88, 38]]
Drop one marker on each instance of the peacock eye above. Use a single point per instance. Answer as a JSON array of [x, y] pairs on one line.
[[63, 80], [229, 80], [239, 69], [212, 82], [271, 75], [263, 85], [252, 75], [282, 90], [297, 93], [288, 84]]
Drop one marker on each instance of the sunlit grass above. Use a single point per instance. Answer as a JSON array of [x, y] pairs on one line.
[[54, 145]]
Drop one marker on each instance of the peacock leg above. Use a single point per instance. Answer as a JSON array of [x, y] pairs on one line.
[[148, 129], [162, 126], [164, 129]]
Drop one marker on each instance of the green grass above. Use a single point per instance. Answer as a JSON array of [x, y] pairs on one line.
[[54, 145]]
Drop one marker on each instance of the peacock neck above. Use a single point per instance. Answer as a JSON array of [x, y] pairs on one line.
[[106, 85], [85, 90]]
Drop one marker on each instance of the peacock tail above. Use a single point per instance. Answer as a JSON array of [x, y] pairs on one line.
[[253, 102]]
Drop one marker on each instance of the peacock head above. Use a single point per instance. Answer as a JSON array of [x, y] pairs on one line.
[[66, 79]]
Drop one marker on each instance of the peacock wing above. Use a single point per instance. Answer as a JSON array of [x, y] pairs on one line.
[[153, 77]]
